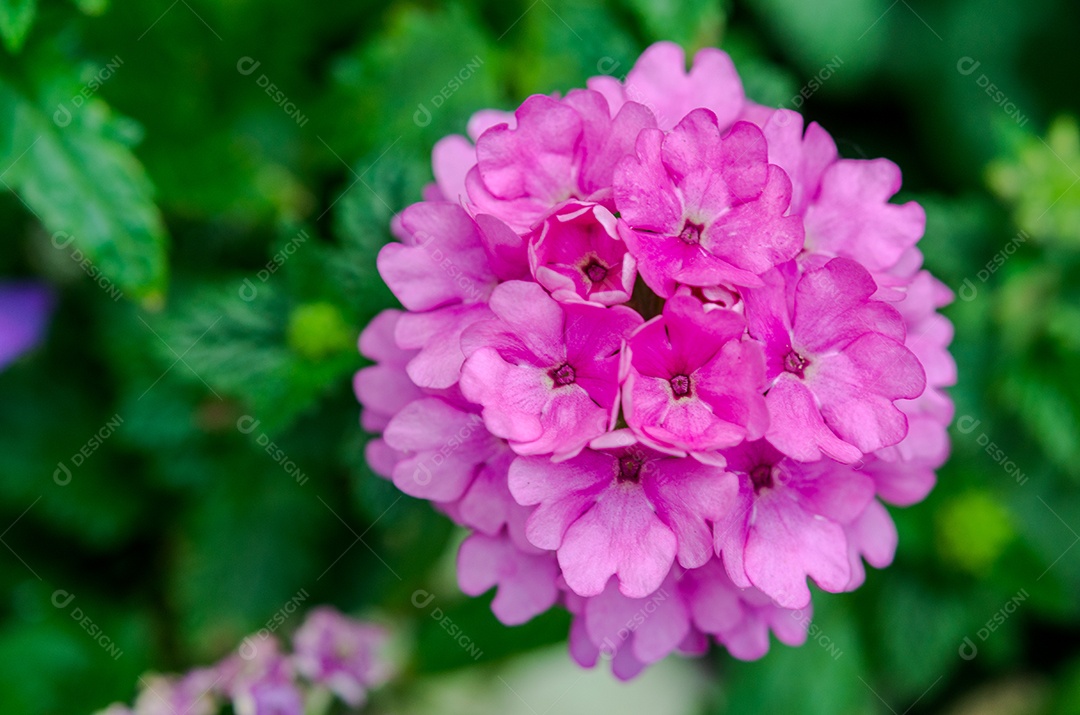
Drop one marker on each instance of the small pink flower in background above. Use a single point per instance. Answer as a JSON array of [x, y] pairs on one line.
[[340, 653], [666, 356], [331, 652]]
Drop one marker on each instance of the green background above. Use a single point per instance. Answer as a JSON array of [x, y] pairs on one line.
[[179, 177]]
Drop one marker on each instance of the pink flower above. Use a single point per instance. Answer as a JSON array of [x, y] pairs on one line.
[[194, 692], [665, 356], [659, 81], [627, 512], [788, 523], [702, 209], [692, 382], [545, 373], [526, 580], [559, 150], [836, 362], [631, 632], [576, 255], [341, 653], [740, 618]]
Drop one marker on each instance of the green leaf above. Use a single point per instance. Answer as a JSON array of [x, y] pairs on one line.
[[236, 344], [74, 170], [819, 678], [93, 8], [418, 81], [691, 23], [821, 35], [16, 17]]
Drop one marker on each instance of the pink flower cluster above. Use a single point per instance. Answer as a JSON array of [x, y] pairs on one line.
[[664, 353], [331, 652]]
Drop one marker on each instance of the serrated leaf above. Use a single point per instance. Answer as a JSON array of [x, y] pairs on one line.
[[85, 185], [239, 347], [417, 81]]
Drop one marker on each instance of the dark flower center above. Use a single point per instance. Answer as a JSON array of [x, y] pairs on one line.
[[795, 363], [691, 233], [563, 375], [629, 469], [761, 477], [595, 271], [680, 386]]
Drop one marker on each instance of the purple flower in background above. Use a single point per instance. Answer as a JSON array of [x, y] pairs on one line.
[[24, 312], [340, 653], [333, 652]]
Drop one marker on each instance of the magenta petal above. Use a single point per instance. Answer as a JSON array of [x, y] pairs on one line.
[[688, 497], [871, 536], [451, 159], [437, 336], [833, 307]]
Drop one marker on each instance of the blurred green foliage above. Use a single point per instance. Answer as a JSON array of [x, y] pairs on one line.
[[231, 168]]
